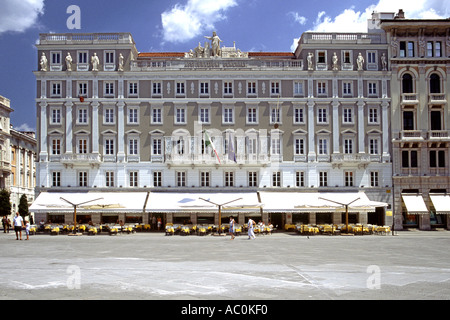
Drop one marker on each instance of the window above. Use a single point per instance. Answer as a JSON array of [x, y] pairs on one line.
[[82, 89], [348, 146], [56, 179], [157, 146], [109, 146], [298, 88], [180, 88], [109, 88], [373, 146], [228, 116], [322, 115], [229, 179], [276, 179], [180, 115], [251, 88], [374, 179], [435, 120], [156, 115], [109, 57], [204, 179], [156, 88], [373, 115], [347, 115], [82, 179], [323, 179], [56, 146], [133, 176], [409, 159], [371, 57], [109, 116], [275, 88], [133, 116], [157, 179], [228, 87], [406, 49], [323, 146], [56, 89], [252, 179], [408, 120], [299, 146], [55, 58], [407, 83], [204, 88], [299, 115], [348, 178], [252, 115], [82, 57], [56, 116], [109, 175], [372, 88], [275, 114], [435, 83], [347, 88], [275, 146], [347, 57], [133, 146], [321, 88], [437, 158], [252, 145], [82, 146], [300, 179], [82, 115], [321, 57], [179, 146], [204, 115], [437, 49], [133, 88]]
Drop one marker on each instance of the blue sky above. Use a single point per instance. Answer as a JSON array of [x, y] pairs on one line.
[[177, 25]]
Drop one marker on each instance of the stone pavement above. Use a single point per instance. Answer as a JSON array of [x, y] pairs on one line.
[[283, 266]]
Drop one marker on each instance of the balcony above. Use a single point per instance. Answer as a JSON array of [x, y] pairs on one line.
[[438, 135], [437, 98], [350, 158], [411, 135], [410, 98], [87, 158]]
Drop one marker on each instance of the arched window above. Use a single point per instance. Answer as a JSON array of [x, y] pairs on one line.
[[407, 83], [435, 83]]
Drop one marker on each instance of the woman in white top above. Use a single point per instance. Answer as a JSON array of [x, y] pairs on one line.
[[251, 234]]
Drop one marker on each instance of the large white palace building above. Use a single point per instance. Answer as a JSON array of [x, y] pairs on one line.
[[150, 134]]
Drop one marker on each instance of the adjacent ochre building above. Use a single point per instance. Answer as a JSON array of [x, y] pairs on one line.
[[282, 136], [419, 53]]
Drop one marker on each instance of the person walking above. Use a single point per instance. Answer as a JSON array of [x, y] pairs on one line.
[[27, 229], [5, 224], [18, 225], [232, 228], [251, 233]]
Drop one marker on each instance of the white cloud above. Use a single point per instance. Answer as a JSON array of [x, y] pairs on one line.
[[298, 18], [184, 22], [19, 15], [351, 20], [24, 127]]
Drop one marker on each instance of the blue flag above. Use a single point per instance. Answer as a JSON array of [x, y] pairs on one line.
[[231, 154]]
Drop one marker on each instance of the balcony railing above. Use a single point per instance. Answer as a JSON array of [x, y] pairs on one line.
[[410, 98]]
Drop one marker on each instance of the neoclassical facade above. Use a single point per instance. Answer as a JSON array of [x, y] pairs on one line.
[[216, 120]]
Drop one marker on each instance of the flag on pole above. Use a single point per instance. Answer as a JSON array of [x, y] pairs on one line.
[[208, 142], [231, 153]]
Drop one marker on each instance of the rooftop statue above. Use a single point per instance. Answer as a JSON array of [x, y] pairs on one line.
[[214, 50], [215, 44]]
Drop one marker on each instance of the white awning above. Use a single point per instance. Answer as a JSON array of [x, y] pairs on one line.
[[54, 202], [414, 204], [201, 202], [441, 203], [318, 202]]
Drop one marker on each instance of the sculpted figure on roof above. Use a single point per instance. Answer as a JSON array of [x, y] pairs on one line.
[[215, 44]]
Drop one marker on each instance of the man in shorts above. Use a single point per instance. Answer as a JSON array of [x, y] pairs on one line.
[[18, 225]]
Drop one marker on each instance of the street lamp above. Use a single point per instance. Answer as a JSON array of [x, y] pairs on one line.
[[346, 209], [220, 208], [75, 210]]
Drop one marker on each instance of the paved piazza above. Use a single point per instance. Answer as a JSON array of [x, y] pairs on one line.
[[283, 266]]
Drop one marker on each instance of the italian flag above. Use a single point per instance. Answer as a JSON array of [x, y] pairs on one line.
[[208, 142]]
